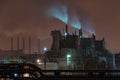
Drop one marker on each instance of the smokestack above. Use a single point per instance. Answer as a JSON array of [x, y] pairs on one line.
[[17, 43], [80, 32], [11, 43], [79, 36], [29, 44], [23, 43], [66, 28], [93, 35], [38, 45]]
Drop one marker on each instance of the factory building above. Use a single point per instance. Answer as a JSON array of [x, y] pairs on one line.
[[74, 51]]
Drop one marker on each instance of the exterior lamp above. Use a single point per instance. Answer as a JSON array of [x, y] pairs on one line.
[[68, 59], [38, 60], [65, 34], [45, 49], [68, 55]]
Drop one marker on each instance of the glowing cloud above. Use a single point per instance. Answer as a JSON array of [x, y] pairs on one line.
[[59, 12], [91, 30], [75, 22], [74, 19], [89, 27]]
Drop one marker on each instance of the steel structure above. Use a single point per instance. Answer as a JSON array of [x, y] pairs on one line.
[[32, 72]]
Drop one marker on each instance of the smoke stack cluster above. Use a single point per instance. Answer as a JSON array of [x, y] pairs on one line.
[[17, 43], [21, 44]]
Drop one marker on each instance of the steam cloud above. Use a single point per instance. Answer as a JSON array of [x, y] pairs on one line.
[[72, 18]]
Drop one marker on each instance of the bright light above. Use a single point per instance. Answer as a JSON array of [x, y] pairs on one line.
[[26, 75], [65, 34], [15, 75], [38, 60], [45, 49], [68, 55]]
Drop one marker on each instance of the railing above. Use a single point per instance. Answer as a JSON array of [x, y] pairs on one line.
[[32, 72], [20, 71], [81, 74]]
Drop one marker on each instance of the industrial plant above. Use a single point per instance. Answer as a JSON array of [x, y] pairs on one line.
[[68, 52], [74, 51]]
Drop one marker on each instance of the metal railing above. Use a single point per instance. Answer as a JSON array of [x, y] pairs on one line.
[[32, 72]]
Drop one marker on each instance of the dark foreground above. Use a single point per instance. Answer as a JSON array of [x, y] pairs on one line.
[[32, 72]]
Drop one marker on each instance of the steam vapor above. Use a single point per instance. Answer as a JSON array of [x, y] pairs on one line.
[[74, 19]]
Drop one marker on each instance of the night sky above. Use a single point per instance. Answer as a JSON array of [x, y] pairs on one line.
[[33, 17]]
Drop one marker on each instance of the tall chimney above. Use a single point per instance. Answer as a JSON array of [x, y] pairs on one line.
[[23, 43], [38, 45], [11, 43], [80, 32], [30, 44], [17, 42], [93, 35], [66, 28]]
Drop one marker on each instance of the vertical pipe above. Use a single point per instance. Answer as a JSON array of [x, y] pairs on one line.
[[23, 43], [38, 45], [17, 43], [66, 29], [80, 32], [11, 43], [30, 44]]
